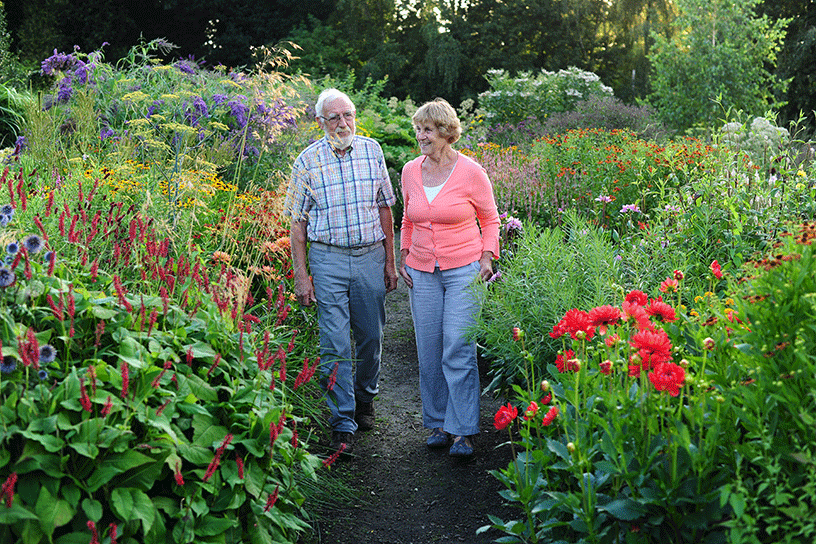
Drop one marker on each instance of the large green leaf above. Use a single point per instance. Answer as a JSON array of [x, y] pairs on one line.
[[52, 511], [625, 509], [115, 464], [141, 507], [211, 526], [15, 513]]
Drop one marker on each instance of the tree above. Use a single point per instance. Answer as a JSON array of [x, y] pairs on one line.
[[722, 55], [796, 60]]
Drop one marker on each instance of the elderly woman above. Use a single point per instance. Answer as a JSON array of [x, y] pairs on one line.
[[450, 234]]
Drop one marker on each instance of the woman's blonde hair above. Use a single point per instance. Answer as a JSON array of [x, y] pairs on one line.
[[442, 115]]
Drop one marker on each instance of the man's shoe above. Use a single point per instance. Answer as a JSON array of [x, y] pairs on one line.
[[364, 415], [340, 439], [462, 447]]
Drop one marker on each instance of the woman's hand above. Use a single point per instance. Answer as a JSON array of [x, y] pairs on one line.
[[486, 265], [403, 272]]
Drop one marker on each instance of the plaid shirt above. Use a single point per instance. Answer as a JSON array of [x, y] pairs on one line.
[[341, 196]]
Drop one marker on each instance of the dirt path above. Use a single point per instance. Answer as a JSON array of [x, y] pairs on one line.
[[404, 492]]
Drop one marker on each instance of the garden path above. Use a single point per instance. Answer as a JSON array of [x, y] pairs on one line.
[[405, 493]]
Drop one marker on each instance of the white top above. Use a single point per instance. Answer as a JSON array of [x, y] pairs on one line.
[[431, 192]]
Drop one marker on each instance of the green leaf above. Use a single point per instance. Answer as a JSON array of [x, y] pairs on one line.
[[92, 509], [16, 513], [50, 442], [52, 512], [625, 509], [143, 509], [103, 312], [122, 503], [115, 464], [201, 389], [211, 526]]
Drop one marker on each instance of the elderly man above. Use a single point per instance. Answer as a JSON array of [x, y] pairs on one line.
[[340, 199]]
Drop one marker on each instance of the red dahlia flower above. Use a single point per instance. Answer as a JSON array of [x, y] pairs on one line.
[[505, 416], [604, 316], [662, 311], [668, 377]]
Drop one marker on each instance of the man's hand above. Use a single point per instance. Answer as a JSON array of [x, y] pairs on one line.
[[390, 276], [304, 288]]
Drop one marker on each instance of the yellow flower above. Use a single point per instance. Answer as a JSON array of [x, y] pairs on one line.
[[135, 96], [801, 173]]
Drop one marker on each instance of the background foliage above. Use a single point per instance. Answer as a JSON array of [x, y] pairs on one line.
[[429, 49]]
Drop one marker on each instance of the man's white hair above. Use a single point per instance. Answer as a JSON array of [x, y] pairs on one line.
[[327, 97]]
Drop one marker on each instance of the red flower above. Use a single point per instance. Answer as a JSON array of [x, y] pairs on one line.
[[83, 396], [566, 361], [94, 534], [606, 367], [669, 285], [668, 377], [716, 270], [125, 377], [604, 316], [517, 334], [177, 475], [547, 399], [635, 314], [531, 410], [678, 275], [107, 408], [8, 489], [333, 457], [272, 499], [652, 347], [662, 311], [240, 463], [637, 297], [505, 416], [552, 413]]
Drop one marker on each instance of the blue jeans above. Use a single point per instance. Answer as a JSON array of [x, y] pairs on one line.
[[444, 308], [350, 291]]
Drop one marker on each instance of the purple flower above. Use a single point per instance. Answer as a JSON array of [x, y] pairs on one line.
[[8, 365], [239, 111], [219, 99], [58, 62], [47, 353], [106, 132], [604, 198], [7, 209], [33, 243], [12, 248], [630, 208], [513, 224], [65, 91], [7, 277]]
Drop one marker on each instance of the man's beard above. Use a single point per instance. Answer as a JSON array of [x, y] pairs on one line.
[[340, 142]]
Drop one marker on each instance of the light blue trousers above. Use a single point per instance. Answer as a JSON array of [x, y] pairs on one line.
[[350, 291], [444, 308]]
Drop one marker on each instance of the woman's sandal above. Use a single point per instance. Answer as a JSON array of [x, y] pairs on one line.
[[461, 447], [438, 439]]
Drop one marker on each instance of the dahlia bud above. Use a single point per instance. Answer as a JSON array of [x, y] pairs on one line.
[[570, 447], [545, 385], [708, 343]]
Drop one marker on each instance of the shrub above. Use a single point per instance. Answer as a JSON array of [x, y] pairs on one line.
[[513, 99]]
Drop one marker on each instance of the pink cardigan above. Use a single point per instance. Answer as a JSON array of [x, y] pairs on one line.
[[446, 230]]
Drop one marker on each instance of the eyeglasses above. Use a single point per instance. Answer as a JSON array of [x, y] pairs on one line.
[[334, 118]]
